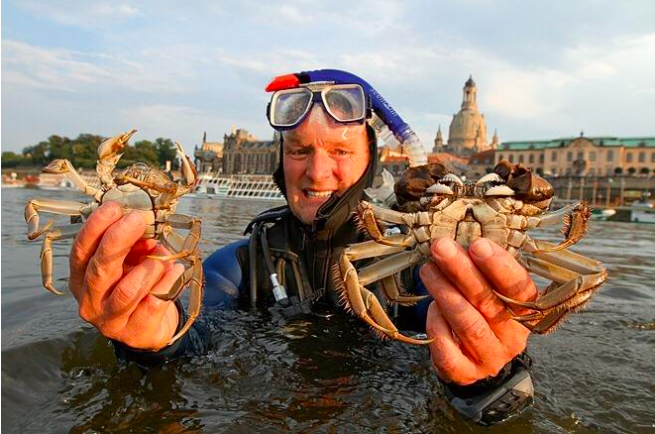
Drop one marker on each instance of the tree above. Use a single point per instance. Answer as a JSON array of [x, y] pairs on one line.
[[11, 159], [167, 152], [632, 171], [618, 171], [644, 171]]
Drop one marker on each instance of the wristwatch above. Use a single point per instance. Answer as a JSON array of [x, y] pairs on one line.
[[494, 399]]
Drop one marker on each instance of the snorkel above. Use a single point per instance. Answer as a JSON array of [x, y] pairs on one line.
[[386, 121]]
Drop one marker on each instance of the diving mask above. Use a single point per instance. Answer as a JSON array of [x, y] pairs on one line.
[[345, 103]]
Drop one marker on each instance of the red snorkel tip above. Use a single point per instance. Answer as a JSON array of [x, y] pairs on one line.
[[287, 81]]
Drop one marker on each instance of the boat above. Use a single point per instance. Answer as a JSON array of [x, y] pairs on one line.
[[642, 212], [237, 187], [602, 214]]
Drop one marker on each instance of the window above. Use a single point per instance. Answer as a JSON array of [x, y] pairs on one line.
[[541, 158], [610, 155], [553, 157], [642, 157], [652, 157], [628, 157], [592, 156], [500, 157], [569, 156], [531, 159], [521, 158], [511, 158], [553, 170], [580, 155]]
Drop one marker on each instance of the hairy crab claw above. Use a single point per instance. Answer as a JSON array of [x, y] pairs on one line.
[[114, 145]]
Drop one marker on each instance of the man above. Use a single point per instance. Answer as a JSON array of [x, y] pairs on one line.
[[327, 159]]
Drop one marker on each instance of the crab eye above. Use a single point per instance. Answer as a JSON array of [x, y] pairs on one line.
[[439, 188], [499, 190]]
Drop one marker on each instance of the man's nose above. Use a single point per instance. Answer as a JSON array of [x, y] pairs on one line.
[[319, 165]]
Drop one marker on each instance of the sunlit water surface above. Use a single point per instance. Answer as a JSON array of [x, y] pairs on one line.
[[595, 374]]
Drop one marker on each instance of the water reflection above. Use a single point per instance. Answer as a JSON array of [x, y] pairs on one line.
[[265, 374]]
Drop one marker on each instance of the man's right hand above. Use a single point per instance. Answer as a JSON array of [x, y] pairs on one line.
[[113, 281]]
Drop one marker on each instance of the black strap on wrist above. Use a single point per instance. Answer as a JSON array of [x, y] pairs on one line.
[[494, 399]]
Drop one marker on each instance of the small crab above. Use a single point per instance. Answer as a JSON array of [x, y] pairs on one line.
[[139, 187], [500, 206]]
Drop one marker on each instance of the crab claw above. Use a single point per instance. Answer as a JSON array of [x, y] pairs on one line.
[[57, 166], [114, 145]]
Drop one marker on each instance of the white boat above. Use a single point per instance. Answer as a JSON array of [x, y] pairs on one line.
[[642, 212], [237, 187]]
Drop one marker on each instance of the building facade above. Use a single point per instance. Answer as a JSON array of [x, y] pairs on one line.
[[208, 156], [583, 156], [245, 154]]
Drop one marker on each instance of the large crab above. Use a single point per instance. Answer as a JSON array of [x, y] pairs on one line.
[[139, 187], [500, 206]]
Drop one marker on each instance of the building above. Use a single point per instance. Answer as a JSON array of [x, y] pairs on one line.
[[583, 156], [245, 154], [480, 164], [468, 129], [393, 160], [209, 156]]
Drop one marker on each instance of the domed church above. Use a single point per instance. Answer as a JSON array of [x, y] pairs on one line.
[[468, 129]]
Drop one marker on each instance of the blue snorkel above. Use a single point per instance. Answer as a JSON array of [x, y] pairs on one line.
[[402, 132]]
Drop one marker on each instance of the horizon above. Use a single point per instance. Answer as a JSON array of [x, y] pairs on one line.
[[543, 72]]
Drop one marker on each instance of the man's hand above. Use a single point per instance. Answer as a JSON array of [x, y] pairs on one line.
[[112, 280], [473, 330]]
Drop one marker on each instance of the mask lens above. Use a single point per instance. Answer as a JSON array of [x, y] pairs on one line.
[[288, 107], [345, 102]]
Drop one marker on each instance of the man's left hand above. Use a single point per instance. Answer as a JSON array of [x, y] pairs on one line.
[[474, 333]]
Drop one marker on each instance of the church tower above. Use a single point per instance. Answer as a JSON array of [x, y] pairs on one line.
[[438, 142], [468, 129]]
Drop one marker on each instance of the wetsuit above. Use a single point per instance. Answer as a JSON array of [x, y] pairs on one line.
[[302, 257]]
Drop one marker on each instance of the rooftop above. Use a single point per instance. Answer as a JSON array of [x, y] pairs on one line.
[[628, 142]]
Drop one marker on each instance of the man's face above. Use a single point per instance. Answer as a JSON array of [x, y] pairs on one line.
[[321, 157]]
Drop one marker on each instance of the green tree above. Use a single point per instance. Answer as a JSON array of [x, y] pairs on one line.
[[167, 152], [11, 159]]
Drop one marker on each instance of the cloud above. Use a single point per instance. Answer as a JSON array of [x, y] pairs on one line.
[[64, 70], [80, 13]]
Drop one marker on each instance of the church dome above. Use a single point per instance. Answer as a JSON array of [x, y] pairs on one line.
[[465, 126], [468, 129]]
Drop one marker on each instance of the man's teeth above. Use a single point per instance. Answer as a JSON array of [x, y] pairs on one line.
[[319, 194]]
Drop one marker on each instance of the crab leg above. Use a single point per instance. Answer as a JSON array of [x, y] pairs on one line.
[[371, 249], [575, 278], [362, 301], [64, 207], [576, 220], [53, 234], [390, 285], [180, 221], [65, 167], [189, 173], [371, 215], [389, 266], [146, 184]]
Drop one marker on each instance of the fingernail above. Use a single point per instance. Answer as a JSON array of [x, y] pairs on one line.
[[428, 272], [482, 248], [446, 248]]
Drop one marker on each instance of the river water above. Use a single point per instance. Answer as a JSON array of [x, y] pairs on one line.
[[594, 374]]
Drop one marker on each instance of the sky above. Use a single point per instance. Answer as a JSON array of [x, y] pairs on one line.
[[174, 69]]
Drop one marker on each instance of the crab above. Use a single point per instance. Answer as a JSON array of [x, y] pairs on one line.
[[501, 206], [139, 187]]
